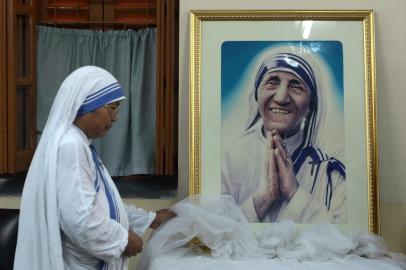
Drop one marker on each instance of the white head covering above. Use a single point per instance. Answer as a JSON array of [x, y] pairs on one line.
[[303, 63], [39, 240]]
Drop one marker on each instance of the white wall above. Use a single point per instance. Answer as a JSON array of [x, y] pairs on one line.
[[391, 92]]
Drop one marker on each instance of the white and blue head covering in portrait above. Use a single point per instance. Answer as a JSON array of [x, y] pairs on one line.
[[307, 66], [39, 239], [291, 62]]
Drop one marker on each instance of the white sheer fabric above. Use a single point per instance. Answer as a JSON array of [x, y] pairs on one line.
[[202, 262], [219, 223]]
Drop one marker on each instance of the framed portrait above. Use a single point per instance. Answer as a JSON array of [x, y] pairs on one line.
[[283, 114]]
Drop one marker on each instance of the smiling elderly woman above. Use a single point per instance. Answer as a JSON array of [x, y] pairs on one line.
[[277, 170], [72, 216]]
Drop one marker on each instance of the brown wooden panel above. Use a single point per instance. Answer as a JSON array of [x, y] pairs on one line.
[[137, 3], [160, 128], [42, 10], [167, 76], [24, 159], [32, 95], [11, 66], [68, 14], [68, 3], [171, 53], [3, 85], [21, 42], [98, 14], [135, 15], [64, 10], [142, 12]]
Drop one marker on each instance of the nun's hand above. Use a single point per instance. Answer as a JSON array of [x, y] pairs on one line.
[[162, 216], [134, 245], [288, 184], [268, 192]]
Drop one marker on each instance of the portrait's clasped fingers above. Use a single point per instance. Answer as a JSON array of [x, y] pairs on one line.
[[284, 144], [287, 157]]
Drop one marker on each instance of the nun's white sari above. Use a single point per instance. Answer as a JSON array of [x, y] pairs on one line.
[[66, 215], [88, 233]]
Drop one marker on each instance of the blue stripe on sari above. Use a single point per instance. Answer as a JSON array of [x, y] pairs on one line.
[[317, 158], [113, 207]]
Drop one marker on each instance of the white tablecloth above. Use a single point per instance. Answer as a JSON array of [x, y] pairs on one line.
[[220, 225], [191, 261]]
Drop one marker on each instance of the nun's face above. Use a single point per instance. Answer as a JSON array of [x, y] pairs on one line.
[[97, 123], [283, 101]]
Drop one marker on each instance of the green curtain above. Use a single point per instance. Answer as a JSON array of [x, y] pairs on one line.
[[129, 147]]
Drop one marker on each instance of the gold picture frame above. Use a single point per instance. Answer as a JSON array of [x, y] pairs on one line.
[[353, 28]]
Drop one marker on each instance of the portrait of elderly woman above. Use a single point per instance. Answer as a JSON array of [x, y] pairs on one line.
[[283, 130]]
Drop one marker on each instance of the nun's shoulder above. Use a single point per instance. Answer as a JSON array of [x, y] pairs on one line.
[[74, 137]]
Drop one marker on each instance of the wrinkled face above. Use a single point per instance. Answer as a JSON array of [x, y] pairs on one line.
[[96, 124], [283, 101]]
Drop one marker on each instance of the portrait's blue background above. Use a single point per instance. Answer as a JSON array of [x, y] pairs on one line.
[[239, 59]]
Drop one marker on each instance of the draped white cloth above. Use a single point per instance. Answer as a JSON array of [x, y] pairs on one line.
[[219, 223], [202, 262], [64, 221]]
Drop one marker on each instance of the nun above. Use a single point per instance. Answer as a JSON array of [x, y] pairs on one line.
[[72, 216], [284, 165]]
